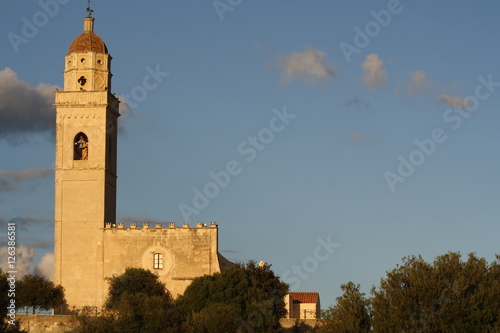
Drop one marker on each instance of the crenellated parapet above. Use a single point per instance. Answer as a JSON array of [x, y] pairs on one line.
[[177, 253], [147, 225]]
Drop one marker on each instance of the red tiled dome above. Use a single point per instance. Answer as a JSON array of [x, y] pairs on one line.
[[88, 42]]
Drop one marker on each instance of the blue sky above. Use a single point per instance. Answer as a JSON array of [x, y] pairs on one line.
[[367, 125]]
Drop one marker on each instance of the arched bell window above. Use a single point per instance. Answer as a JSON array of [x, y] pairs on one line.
[[81, 147]]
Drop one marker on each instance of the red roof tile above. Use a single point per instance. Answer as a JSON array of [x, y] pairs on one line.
[[300, 297]]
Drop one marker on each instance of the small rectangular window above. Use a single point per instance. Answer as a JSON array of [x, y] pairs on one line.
[[158, 261]]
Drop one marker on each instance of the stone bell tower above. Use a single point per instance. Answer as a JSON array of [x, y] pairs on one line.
[[85, 168]]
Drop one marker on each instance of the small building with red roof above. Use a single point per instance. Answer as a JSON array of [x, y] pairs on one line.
[[302, 305]]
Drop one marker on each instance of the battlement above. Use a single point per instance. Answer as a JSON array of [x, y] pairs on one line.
[[147, 225]]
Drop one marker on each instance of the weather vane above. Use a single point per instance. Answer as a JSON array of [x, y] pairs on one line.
[[89, 11]]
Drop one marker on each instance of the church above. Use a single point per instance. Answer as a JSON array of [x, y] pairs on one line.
[[89, 245]]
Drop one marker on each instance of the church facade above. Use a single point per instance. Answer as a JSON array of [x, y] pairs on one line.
[[89, 245]]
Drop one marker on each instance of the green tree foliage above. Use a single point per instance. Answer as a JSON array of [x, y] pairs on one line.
[[215, 318], [5, 290], [137, 303], [89, 321], [450, 295], [246, 298], [37, 292], [254, 292], [134, 282], [350, 314]]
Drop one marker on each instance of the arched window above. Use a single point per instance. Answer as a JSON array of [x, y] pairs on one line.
[[81, 150]]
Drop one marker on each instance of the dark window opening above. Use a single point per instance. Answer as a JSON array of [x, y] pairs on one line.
[[82, 80]]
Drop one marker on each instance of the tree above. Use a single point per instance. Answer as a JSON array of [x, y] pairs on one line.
[[246, 298], [253, 291], [350, 314], [215, 318], [89, 322], [137, 302], [37, 292], [448, 296], [134, 282], [6, 294]]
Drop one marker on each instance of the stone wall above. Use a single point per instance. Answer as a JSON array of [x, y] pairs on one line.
[[187, 252], [46, 323], [62, 324]]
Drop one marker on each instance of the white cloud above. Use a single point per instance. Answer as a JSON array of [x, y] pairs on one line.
[[375, 75], [310, 66], [23, 260], [455, 101], [45, 267], [418, 82]]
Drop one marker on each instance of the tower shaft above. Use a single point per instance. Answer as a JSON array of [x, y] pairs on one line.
[[85, 169]]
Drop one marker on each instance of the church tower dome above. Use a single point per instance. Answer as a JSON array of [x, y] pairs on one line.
[[88, 63], [89, 41]]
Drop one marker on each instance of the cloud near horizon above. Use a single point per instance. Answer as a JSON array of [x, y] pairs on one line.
[[45, 267], [25, 264], [24, 109], [375, 74], [24, 259], [309, 66], [11, 179]]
